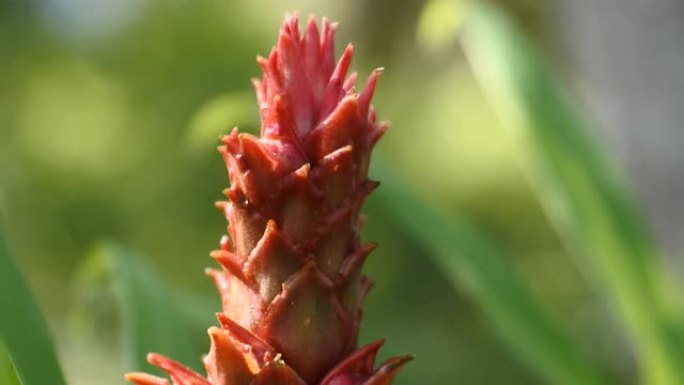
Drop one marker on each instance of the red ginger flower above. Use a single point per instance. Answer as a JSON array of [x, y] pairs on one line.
[[291, 283]]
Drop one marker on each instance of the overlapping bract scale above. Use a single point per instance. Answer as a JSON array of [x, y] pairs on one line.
[[291, 282]]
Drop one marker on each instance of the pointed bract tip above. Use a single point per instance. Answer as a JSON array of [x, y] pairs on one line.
[[145, 379], [291, 17], [259, 347], [179, 374], [388, 370]]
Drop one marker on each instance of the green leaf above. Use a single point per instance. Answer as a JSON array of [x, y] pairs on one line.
[[8, 375], [22, 328], [582, 195], [473, 263], [155, 316]]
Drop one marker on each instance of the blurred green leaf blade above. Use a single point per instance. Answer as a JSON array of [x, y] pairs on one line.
[[155, 315], [8, 375], [582, 195], [476, 265], [22, 328]]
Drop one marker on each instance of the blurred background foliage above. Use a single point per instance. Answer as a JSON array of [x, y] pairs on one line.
[[511, 252]]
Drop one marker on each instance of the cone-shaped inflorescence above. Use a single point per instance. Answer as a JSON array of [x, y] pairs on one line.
[[291, 282]]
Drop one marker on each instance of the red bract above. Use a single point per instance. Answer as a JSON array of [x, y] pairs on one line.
[[291, 283]]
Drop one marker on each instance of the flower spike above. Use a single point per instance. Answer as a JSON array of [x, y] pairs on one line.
[[291, 281]]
